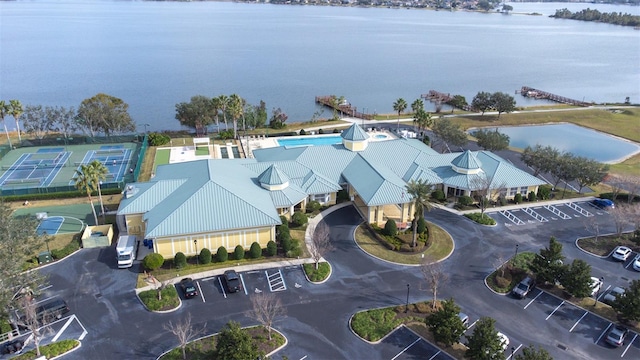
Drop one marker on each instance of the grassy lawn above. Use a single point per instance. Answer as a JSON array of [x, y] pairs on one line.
[[169, 300], [162, 157], [317, 275], [605, 244], [373, 325], [206, 348], [202, 150], [441, 246], [514, 271]]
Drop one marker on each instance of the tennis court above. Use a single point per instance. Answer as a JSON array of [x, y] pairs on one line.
[[36, 169], [116, 158]]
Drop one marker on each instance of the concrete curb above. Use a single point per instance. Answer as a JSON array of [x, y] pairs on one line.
[[68, 352], [161, 311], [590, 253], [323, 281]]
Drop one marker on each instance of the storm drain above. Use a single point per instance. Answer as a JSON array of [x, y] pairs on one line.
[[97, 296], [562, 347]]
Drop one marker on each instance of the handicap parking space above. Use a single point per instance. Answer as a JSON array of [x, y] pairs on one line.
[[404, 344], [547, 212]]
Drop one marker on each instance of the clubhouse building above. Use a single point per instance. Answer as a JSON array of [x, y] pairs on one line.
[[191, 205]]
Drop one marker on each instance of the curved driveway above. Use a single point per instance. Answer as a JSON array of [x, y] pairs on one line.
[[316, 324]]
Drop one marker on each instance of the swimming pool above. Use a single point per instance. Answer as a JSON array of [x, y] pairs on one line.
[[381, 136], [572, 138], [311, 140]]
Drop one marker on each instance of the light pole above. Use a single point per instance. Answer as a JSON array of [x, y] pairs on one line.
[[516, 251], [145, 127], [513, 350], [195, 242], [101, 203], [406, 307]]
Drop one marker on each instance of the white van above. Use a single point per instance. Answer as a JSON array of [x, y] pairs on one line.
[[126, 251]]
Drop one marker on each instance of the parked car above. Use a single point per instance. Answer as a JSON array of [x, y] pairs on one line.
[[465, 319], [522, 289], [605, 204], [188, 288], [636, 263], [616, 336], [596, 285], [612, 295], [232, 281], [621, 253], [12, 347]]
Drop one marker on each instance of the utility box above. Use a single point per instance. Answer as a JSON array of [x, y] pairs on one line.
[[44, 257]]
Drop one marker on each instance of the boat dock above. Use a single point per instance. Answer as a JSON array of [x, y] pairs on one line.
[[442, 98], [345, 107], [539, 94]]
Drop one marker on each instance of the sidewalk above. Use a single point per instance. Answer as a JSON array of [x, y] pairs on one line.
[[522, 205]]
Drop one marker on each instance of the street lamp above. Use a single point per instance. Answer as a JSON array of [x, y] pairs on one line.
[[406, 308], [101, 203], [516, 251], [195, 242], [145, 127]]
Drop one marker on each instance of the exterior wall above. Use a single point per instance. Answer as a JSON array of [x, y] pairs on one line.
[[135, 225], [355, 145], [192, 244]]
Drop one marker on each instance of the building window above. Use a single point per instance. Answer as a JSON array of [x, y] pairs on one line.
[[513, 191], [523, 190], [321, 198]]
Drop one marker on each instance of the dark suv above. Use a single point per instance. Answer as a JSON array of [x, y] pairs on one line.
[[232, 281], [188, 288]]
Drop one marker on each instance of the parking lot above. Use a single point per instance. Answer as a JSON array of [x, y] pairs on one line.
[[405, 344], [586, 328], [570, 211], [257, 281]]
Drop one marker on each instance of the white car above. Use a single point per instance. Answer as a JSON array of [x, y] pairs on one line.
[[504, 341], [621, 253], [596, 285], [636, 263]]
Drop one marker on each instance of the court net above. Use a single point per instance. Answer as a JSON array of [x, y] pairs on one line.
[[31, 167]]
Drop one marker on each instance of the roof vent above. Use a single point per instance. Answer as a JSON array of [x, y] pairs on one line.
[[131, 190]]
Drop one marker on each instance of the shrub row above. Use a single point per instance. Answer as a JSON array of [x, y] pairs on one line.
[[51, 350], [483, 219], [57, 195]]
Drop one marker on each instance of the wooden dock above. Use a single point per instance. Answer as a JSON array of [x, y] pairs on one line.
[[539, 94], [442, 98], [344, 108]]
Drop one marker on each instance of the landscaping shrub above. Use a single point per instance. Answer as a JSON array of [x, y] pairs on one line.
[[517, 198], [426, 140], [180, 260], [438, 195], [372, 325], [153, 261], [51, 350], [299, 218], [422, 225], [390, 228], [465, 201], [286, 244], [502, 200], [272, 248], [283, 233], [544, 192], [238, 252], [321, 131], [313, 206], [342, 196], [336, 131], [317, 275], [295, 250], [222, 255], [255, 251], [532, 196], [205, 256], [302, 132], [169, 300], [156, 139], [226, 134], [483, 219]]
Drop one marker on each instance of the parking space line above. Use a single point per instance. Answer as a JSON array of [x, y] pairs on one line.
[[200, 289], [470, 326], [604, 332], [604, 292], [63, 328], [436, 354], [405, 349], [243, 286], [224, 293], [632, 261], [532, 300], [628, 346], [554, 310], [513, 352], [577, 322], [207, 279]]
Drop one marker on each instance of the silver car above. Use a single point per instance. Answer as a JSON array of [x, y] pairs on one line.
[[522, 289]]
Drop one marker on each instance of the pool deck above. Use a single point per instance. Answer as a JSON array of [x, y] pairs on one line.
[[251, 143]]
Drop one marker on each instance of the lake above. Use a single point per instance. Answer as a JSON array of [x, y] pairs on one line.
[[156, 54], [573, 139]]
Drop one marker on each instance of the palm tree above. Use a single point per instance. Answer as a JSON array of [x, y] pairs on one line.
[[16, 111], [236, 110], [419, 191], [5, 109], [223, 102], [99, 173], [400, 105], [416, 106], [424, 119], [85, 183]]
